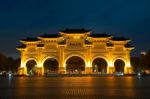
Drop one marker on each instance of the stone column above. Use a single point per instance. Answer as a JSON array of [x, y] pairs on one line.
[[88, 58], [39, 71], [22, 71], [128, 70], [110, 70], [88, 70], [62, 69]]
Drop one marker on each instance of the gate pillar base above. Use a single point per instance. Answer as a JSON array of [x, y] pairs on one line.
[[22, 71], [62, 70], [39, 71], [88, 70], [110, 70], [128, 70]]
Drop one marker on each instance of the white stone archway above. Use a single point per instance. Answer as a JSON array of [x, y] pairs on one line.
[[123, 60], [30, 59], [78, 55], [75, 55], [49, 57], [101, 57]]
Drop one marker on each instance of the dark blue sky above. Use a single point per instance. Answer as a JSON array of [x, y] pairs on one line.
[[23, 18]]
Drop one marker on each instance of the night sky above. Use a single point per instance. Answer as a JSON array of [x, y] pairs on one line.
[[28, 18]]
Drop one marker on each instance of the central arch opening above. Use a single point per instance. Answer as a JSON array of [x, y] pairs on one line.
[[51, 66], [75, 65], [99, 66], [119, 65], [31, 67]]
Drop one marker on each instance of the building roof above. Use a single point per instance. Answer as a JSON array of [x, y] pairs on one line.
[[22, 46], [50, 35], [128, 46], [100, 35], [119, 39], [30, 39], [75, 30]]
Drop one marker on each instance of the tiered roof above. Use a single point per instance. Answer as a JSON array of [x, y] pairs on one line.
[[103, 35], [50, 36], [30, 39], [99, 35], [75, 30], [119, 39]]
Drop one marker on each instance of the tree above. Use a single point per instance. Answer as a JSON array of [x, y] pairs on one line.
[[145, 61], [135, 63], [16, 64], [3, 60], [9, 64]]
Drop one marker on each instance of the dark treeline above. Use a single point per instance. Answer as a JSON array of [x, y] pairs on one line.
[[141, 63], [9, 63]]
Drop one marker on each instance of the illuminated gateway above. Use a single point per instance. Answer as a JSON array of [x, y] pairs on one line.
[[75, 51]]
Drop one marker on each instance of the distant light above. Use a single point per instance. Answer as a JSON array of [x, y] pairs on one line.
[[9, 74], [143, 53], [139, 74]]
